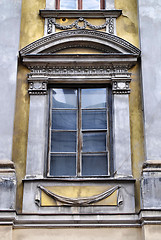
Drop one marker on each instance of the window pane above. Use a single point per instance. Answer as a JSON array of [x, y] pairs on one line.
[[63, 165], [64, 119], [68, 4], [92, 4], [94, 98], [94, 142], [64, 98], [94, 165], [94, 119], [63, 142]]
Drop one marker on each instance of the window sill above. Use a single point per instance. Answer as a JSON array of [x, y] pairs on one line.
[[82, 179], [80, 13]]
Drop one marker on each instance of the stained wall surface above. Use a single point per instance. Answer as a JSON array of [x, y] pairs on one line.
[[75, 234], [150, 37], [10, 12]]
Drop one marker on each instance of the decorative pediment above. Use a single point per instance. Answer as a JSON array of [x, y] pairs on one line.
[[103, 42]]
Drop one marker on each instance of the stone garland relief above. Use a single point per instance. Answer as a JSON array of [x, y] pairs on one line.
[[76, 24], [80, 201]]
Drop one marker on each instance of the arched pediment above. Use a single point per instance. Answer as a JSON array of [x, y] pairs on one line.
[[100, 41]]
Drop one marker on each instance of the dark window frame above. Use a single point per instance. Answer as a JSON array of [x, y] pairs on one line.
[[109, 130], [80, 4]]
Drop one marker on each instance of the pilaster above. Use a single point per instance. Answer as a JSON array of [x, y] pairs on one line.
[[37, 133], [121, 125]]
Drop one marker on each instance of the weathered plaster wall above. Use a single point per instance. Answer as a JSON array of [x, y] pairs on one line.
[[32, 28], [150, 37], [151, 232], [10, 12], [127, 28], [81, 234], [6, 232]]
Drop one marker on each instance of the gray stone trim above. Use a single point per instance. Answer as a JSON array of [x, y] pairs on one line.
[[110, 4], [80, 13], [37, 135], [144, 217], [32, 193], [105, 39], [121, 136], [50, 4]]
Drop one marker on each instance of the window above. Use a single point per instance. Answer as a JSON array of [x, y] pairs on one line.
[[79, 132], [80, 4]]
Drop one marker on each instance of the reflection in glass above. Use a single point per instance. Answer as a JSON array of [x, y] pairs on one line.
[[94, 142], [64, 98], [63, 165], [94, 98], [94, 119], [64, 119], [68, 4], [94, 165], [92, 4], [63, 141]]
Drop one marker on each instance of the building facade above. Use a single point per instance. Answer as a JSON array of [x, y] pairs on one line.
[[80, 123]]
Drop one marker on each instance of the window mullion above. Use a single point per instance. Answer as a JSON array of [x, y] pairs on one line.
[[79, 4], [57, 4], [79, 136]]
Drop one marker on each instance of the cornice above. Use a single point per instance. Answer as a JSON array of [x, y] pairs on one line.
[[90, 36], [144, 217], [80, 13]]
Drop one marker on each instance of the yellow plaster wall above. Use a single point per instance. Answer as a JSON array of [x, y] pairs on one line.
[[127, 23], [32, 28], [127, 28]]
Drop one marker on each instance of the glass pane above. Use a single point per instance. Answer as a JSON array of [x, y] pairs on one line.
[[94, 119], [94, 165], [92, 4], [63, 165], [64, 119], [63, 142], [94, 142], [68, 4], [94, 98], [64, 98]]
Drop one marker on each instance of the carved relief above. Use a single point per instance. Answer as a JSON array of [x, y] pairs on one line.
[[37, 88], [120, 87], [76, 24], [111, 26], [81, 201], [49, 25]]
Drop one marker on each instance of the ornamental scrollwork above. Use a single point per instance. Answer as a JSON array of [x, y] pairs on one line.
[[77, 25]]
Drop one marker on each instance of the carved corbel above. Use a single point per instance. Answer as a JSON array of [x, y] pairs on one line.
[[37, 88], [120, 87]]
